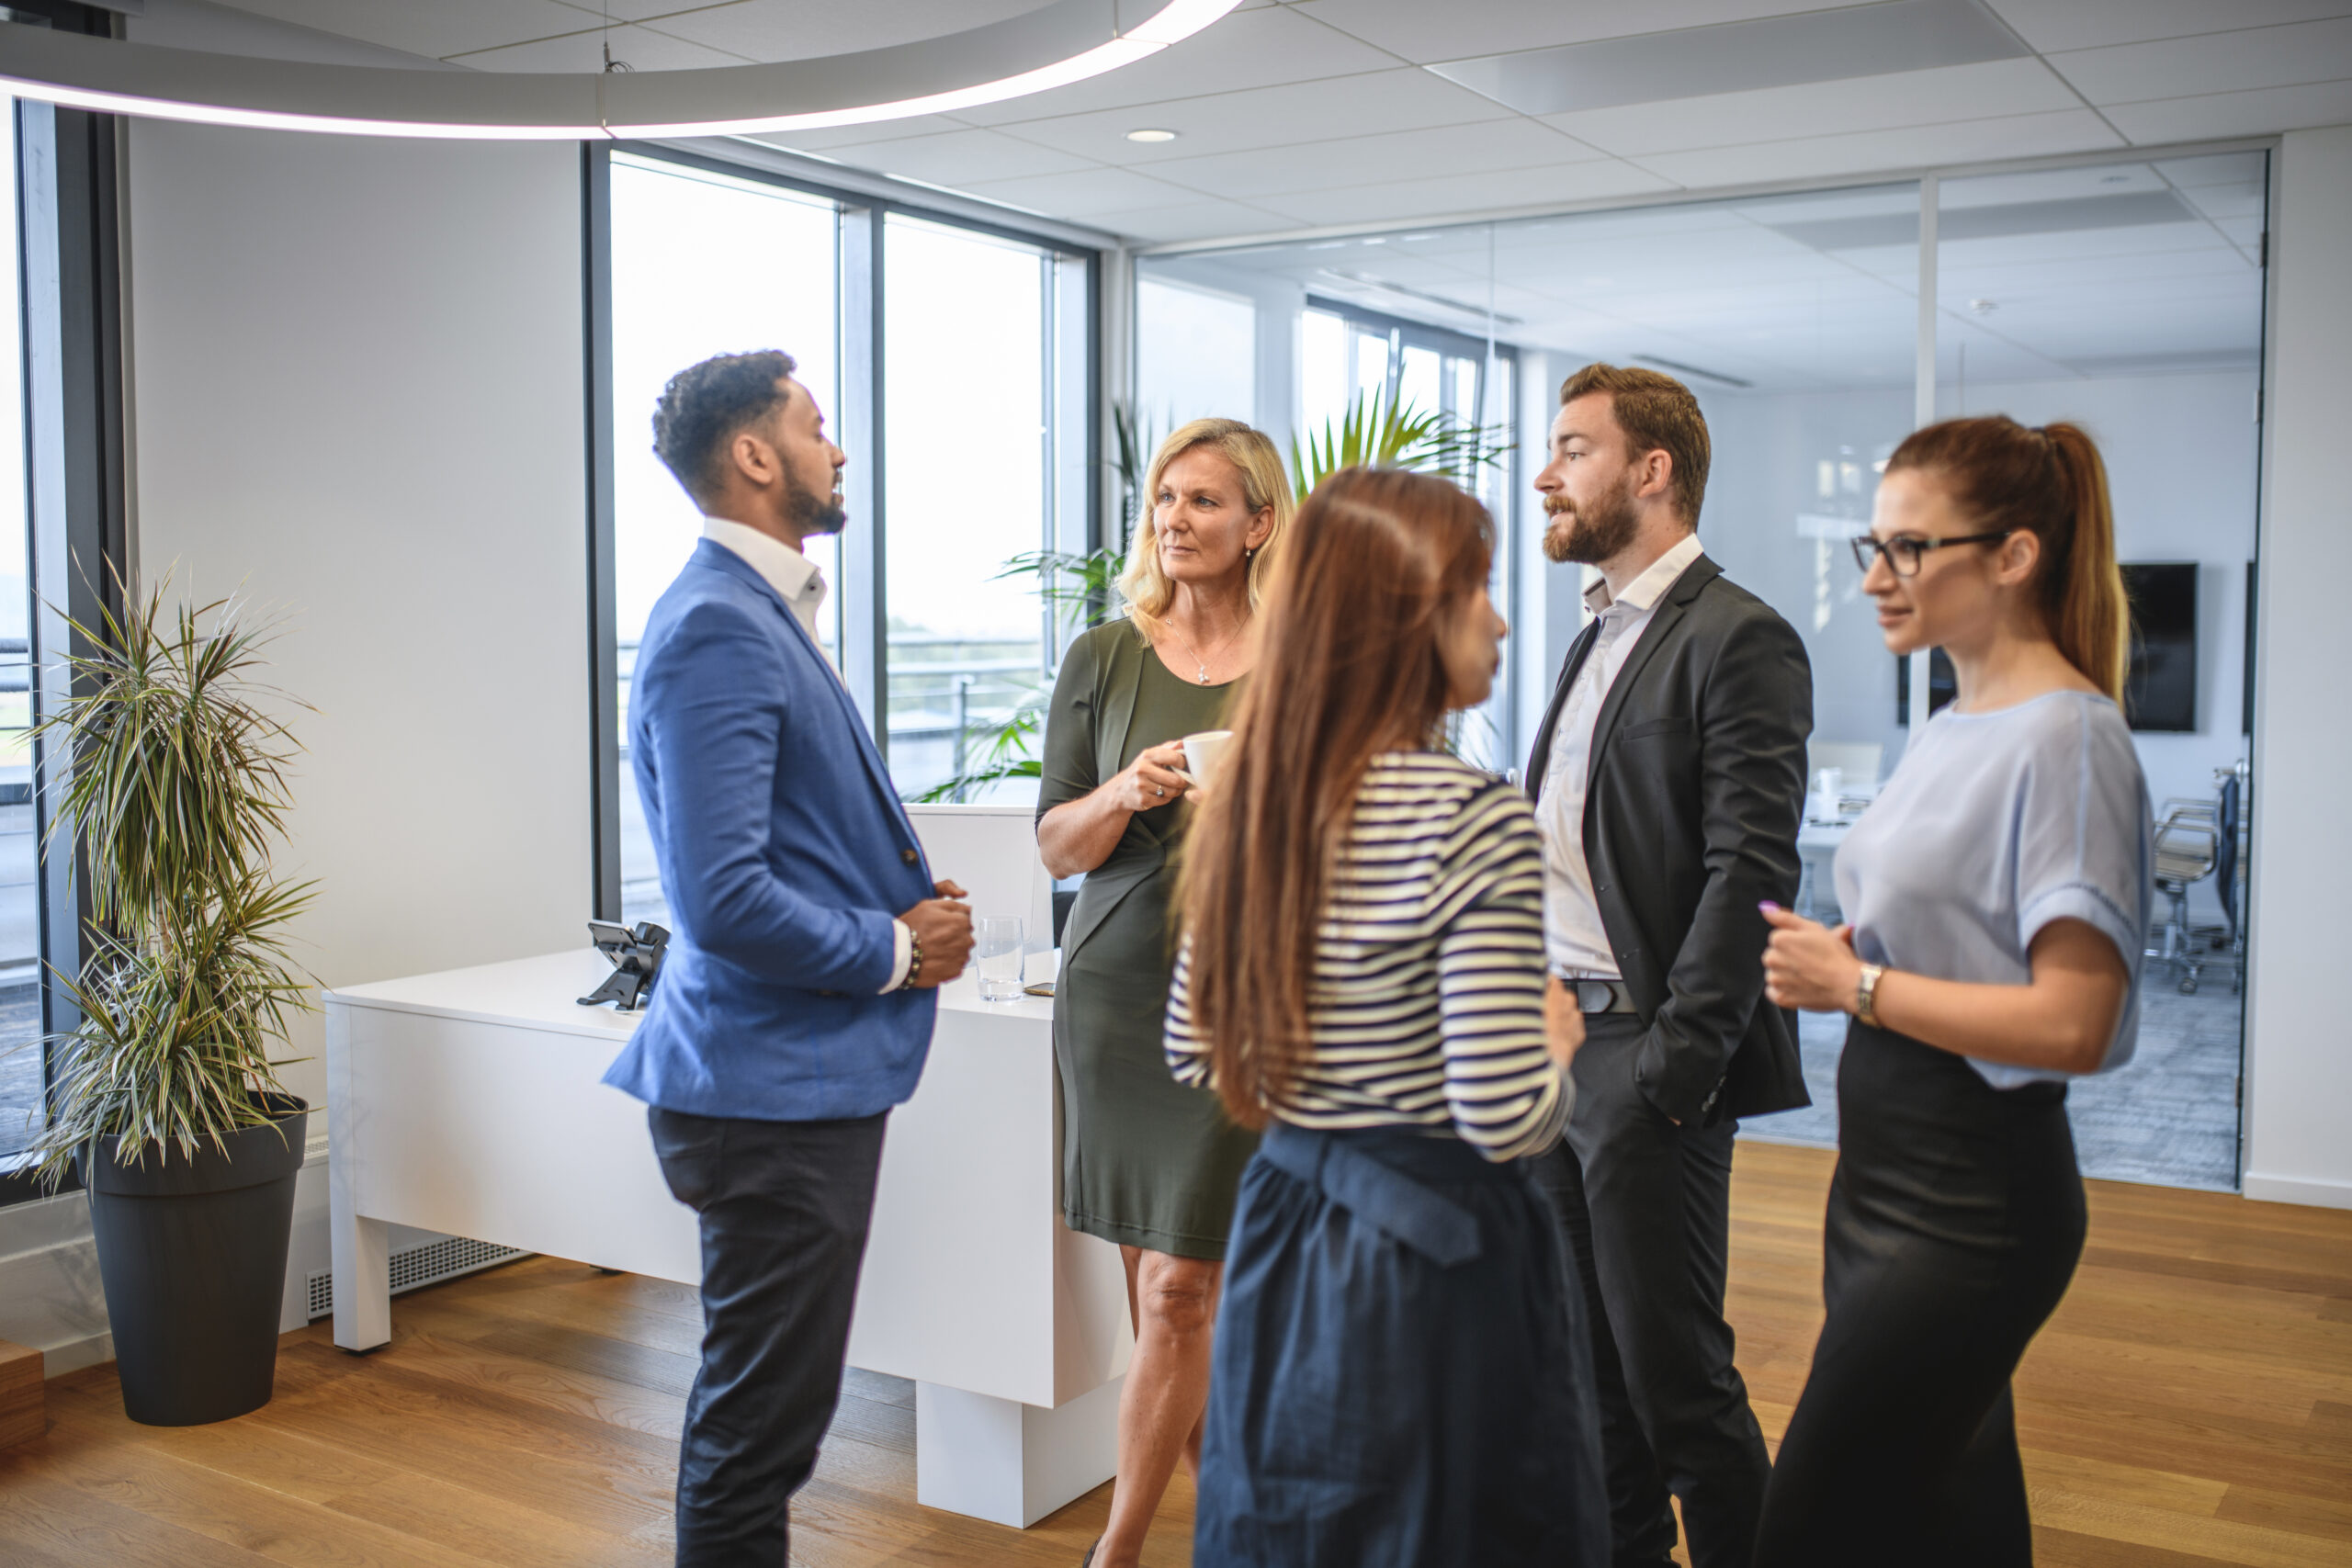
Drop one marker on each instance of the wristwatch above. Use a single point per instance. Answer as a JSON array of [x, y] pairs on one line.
[[1866, 994], [914, 960]]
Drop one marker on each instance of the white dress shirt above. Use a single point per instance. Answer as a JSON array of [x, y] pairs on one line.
[[1576, 944], [801, 586]]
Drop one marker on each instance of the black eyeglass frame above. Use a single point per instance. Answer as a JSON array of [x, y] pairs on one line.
[[1868, 548]]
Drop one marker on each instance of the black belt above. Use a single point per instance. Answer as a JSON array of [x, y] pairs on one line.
[[1600, 996]]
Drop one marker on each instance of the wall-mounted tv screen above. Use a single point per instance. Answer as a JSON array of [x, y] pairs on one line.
[[2160, 687], [2160, 691]]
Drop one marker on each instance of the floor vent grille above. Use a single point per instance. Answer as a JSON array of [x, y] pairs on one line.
[[426, 1263]]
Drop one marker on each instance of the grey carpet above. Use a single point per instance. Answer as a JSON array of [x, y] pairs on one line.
[[2170, 1118]]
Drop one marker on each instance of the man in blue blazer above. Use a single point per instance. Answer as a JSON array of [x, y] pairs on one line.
[[796, 1004]]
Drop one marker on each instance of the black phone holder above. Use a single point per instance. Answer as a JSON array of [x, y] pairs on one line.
[[635, 953]]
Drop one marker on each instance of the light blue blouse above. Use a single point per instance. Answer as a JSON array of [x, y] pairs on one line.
[[1993, 826]]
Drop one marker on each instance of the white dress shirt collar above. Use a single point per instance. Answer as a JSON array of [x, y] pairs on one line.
[[794, 576], [1644, 589]]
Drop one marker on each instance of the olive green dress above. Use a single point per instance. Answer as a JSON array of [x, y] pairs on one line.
[[1146, 1161]]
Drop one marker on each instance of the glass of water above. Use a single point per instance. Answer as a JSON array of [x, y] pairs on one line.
[[997, 952]]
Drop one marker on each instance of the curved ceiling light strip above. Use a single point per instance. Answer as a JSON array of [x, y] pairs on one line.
[[1064, 43]]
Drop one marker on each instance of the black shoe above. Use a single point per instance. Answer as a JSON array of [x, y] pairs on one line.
[[1088, 1562]]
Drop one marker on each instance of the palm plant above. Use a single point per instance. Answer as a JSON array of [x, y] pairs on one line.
[[1375, 433], [177, 785]]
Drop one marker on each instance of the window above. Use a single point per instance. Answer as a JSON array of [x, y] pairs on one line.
[[22, 1082], [971, 436], [1195, 356], [702, 264], [969, 389]]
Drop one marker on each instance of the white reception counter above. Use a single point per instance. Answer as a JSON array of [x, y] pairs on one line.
[[468, 1102]]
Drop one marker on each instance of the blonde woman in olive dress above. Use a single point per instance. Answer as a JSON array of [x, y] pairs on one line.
[[1147, 1163]]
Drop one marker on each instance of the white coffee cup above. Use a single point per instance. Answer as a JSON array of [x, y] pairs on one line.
[[1204, 753]]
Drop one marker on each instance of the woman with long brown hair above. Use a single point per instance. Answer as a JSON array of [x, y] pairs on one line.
[[1146, 1163], [1998, 892], [1399, 1377]]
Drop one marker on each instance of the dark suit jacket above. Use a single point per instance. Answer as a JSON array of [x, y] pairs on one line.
[[1690, 819]]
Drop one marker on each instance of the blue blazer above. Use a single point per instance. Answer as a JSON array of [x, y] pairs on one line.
[[783, 854]]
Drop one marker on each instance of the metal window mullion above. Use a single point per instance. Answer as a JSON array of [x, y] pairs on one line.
[[1923, 407], [865, 618], [78, 527], [603, 614]]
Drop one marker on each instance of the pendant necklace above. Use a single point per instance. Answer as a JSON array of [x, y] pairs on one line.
[[1196, 652]]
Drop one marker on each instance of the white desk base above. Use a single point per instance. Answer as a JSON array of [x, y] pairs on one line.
[[469, 1103]]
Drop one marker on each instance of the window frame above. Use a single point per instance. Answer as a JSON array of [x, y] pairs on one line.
[[1073, 521], [79, 545]]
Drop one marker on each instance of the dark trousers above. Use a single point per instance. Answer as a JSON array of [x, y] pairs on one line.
[[785, 1207], [1646, 1208], [1955, 1222]]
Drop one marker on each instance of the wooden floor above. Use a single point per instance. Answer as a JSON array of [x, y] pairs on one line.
[[2191, 1405]]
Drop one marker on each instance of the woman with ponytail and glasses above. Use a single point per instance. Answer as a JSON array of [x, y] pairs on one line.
[[1399, 1377], [1998, 895]]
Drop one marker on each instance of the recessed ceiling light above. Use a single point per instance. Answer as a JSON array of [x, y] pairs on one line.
[[1149, 134]]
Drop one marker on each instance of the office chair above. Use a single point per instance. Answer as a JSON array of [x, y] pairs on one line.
[[2187, 847]]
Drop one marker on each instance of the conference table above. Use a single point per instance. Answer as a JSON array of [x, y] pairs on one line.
[[468, 1102]]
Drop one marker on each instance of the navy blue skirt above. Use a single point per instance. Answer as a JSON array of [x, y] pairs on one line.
[[1402, 1374]]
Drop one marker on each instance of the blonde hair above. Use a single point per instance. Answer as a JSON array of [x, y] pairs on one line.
[[1146, 589]]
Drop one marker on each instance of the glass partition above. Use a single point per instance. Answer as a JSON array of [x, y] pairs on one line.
[[2127, 296]]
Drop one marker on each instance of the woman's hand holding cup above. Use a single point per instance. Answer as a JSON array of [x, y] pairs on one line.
[[1153, 780]]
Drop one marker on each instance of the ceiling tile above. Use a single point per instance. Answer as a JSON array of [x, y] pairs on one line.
[[1195, 221], [1866, 102], [2222, 63], [1741, 56], [1247, 48], [1423, 31], [1088, 192], [437, 28], [1367, 160], [960, 157], [1405, 200], [2072, 24], [832, 140], [794, 30], [219, 29], [1267, 117], [642, 48], [2260, 113], [2016, 136]]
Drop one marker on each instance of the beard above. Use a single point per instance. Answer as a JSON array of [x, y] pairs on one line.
[[812, 514], [1595, 533]]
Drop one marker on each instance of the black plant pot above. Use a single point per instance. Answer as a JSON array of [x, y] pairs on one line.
[[193, 1254]]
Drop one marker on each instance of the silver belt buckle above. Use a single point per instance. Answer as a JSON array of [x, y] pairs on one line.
[[1595, 996]]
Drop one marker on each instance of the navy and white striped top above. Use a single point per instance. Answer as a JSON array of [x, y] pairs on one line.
[[1428, 1006]]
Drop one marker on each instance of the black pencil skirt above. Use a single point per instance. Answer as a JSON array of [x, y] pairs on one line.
[[1955, 1223], [1401, 1376]]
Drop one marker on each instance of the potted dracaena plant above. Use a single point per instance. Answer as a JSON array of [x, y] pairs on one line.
[[165, 1096]]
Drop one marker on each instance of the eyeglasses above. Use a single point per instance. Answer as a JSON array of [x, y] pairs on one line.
[[1903, 552]]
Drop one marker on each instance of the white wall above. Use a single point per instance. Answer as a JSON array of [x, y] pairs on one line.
[[2299, 1075], [357, 395]]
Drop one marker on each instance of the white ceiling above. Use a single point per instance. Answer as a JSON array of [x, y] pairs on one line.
[[1297, 114]]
